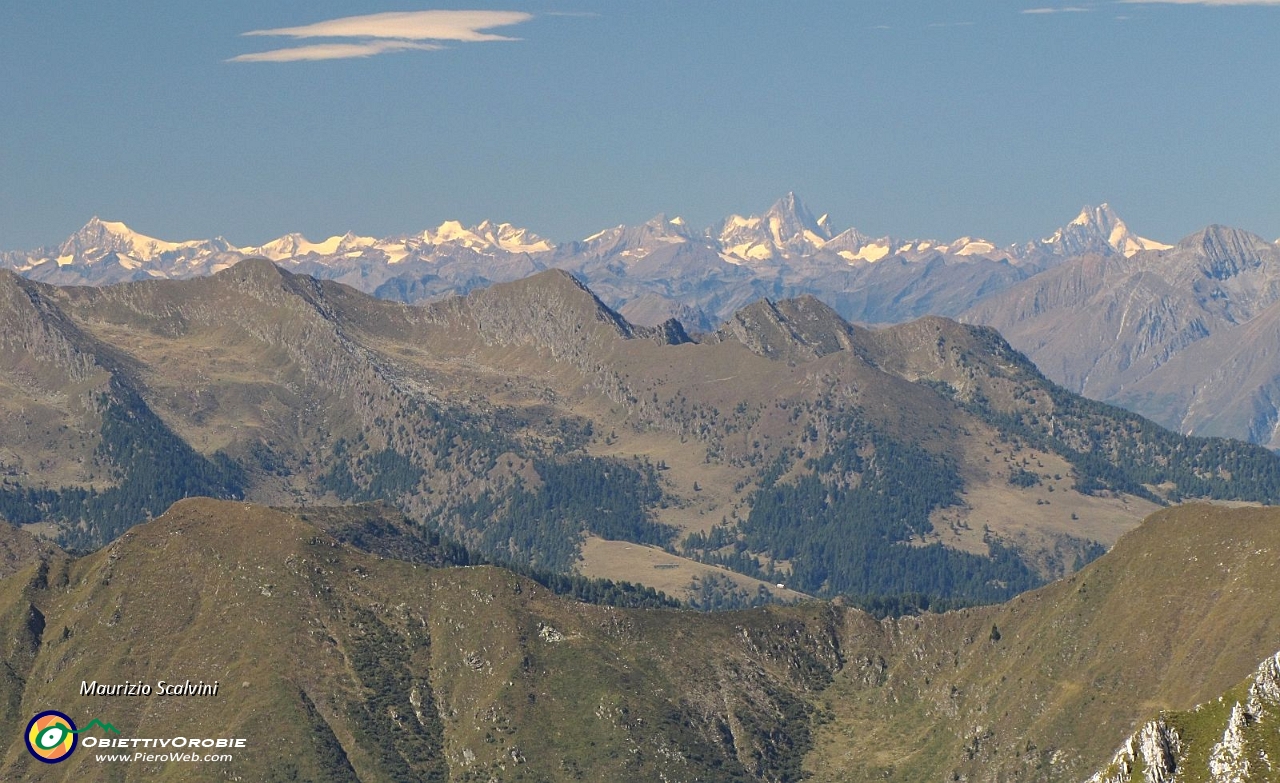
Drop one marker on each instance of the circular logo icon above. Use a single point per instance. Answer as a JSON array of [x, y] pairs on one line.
[[51, 736]]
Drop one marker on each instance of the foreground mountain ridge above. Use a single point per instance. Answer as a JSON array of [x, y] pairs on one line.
[[340, 665]]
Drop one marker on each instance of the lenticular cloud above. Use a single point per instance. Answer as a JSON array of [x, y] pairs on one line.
[[332, 51], [386, 32]]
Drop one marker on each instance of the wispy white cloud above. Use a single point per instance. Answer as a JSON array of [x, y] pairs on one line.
[[409, 26], [1202, 2], [395, 31], [1067, 9], [332, 51]]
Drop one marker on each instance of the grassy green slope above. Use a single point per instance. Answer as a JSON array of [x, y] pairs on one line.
[[337, 663], [333, 662], [1041, 687]]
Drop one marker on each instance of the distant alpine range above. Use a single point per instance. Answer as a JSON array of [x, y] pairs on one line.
[[1184, 334], [448, 540]]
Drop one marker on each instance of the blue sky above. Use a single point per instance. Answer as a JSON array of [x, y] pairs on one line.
[[895, 116]]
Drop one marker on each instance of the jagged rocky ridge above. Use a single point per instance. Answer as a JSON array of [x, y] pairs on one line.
[[651, 272], [1233, 740]]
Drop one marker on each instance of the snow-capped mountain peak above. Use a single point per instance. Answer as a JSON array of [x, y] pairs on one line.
[[674, 228], [787, 228], [1097, 230], [971, 246], [487, 236], [634, 241], [450, 231], [785, 239], [1102, 217], [105, 236], [790, 218], [294, 245]]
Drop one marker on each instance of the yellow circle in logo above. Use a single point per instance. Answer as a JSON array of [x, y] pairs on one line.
[[51, 736]]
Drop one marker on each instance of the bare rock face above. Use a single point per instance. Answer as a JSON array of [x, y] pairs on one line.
[[1245, 723], [552, 309], [1153, 749], [1238, 757], [34, 327], [802, 327]]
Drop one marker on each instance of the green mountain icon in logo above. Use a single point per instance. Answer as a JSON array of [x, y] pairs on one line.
[[107, 727]]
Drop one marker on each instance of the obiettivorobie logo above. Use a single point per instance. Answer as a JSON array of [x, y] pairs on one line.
[[52, 736]]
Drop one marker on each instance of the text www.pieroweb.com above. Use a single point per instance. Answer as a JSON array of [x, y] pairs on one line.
[[162, 757]]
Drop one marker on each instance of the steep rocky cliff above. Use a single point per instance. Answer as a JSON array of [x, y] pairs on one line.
[[1235, 739]]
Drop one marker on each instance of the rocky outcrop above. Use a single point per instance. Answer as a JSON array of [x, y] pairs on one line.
[[37, 339], [1249, 717], [1237, 757], [1153, 751], [797, 328]]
